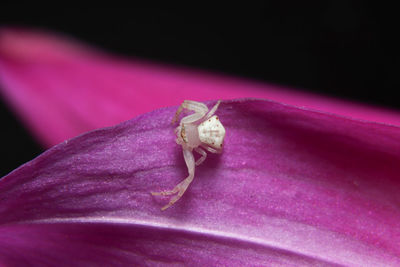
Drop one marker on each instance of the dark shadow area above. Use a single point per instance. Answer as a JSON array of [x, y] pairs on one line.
[[17, 144]]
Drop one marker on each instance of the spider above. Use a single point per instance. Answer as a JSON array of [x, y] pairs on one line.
[[198, 131]]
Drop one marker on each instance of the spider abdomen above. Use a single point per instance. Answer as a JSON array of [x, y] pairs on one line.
[[212, 132]]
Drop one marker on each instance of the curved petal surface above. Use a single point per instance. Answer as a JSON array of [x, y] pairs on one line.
[[292, 187]]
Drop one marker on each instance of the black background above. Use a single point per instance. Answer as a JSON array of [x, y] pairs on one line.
[[344, 49]]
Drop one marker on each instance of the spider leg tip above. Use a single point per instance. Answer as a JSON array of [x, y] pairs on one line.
[[166, 207]]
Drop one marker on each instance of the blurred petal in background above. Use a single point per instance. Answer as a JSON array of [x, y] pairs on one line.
[[61, 88]]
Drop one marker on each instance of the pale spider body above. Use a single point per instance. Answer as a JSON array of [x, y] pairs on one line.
[[198, 131]]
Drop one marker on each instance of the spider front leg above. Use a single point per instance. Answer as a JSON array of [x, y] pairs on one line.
[[180, 188], [212, 111], [199, 108]]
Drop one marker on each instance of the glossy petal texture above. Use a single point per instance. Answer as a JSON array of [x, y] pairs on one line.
[[61, 88], [292, 187]]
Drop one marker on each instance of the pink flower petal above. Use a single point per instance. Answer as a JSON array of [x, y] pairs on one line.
[[293, 187], [61, 88]]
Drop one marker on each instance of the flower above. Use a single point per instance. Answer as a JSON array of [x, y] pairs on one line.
[[292, 187], [61, 88]]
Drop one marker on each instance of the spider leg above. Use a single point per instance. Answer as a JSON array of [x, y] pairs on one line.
[[166, 192], [203, 155], [178, 112], [212, 111], [182, 186], [197, 107], [210, 149], [192, 118]]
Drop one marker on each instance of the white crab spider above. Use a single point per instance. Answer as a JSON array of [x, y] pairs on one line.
[[195, 132]]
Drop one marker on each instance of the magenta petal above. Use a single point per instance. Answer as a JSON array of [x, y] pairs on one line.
[[292, 187], [62, 89]]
